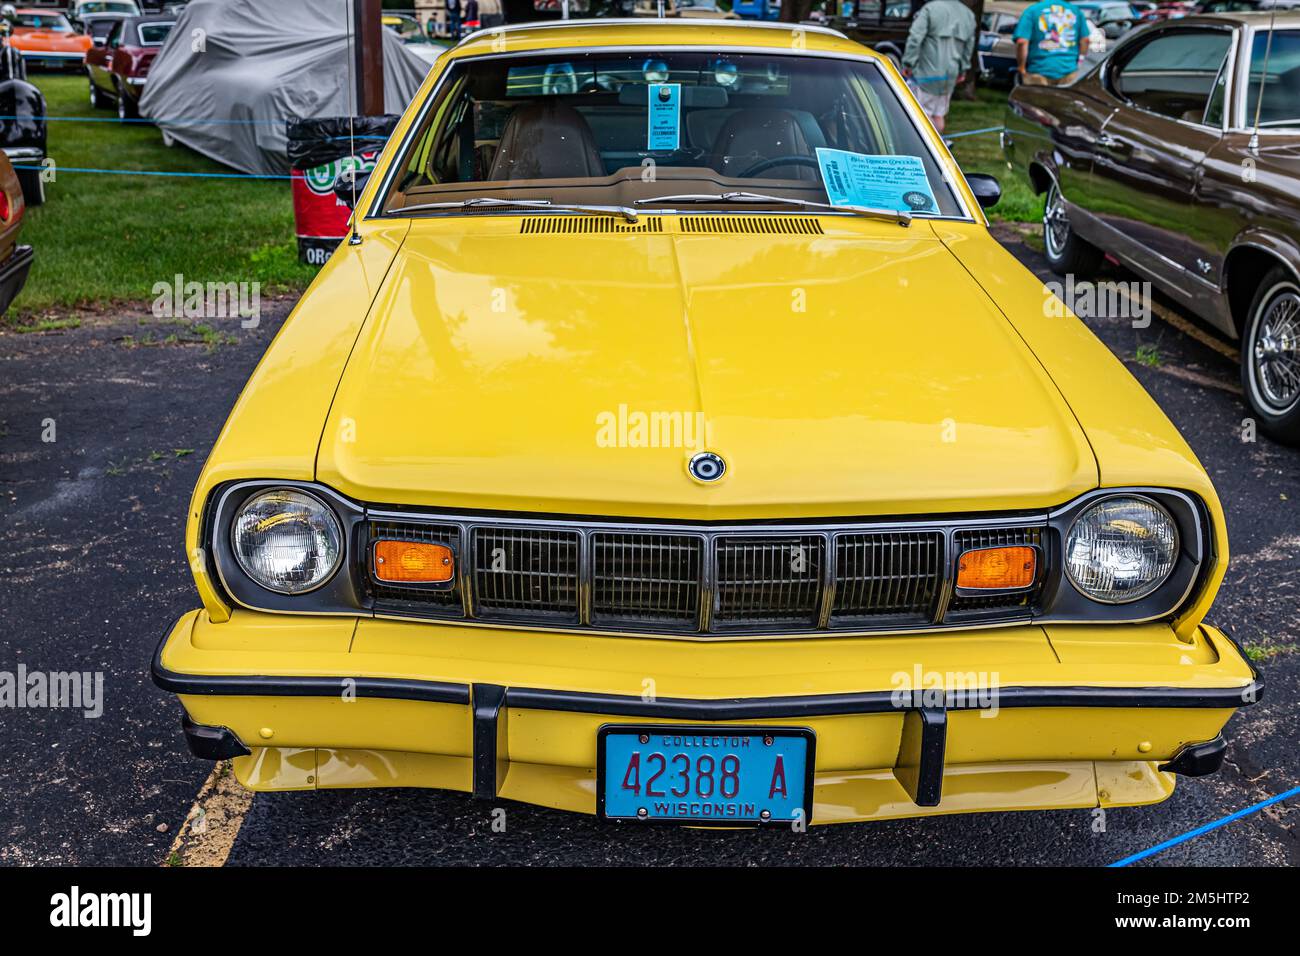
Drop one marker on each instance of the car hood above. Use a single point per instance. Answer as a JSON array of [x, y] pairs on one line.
[[858, 372], [45, 40]]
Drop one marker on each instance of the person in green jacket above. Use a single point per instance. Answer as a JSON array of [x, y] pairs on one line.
[[939, 49]]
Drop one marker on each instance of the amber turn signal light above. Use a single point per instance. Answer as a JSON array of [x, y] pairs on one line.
[[413, 562], [997, 569]]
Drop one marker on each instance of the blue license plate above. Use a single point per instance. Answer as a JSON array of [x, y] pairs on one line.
[[721, 776]]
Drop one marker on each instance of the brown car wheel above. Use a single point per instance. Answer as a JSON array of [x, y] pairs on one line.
[[1066, 252], [1270, 356]]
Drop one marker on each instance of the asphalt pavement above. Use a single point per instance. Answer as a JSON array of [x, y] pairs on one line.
[[92, 571]]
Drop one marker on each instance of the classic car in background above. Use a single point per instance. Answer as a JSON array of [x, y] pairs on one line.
[[1113, 18], [699, 9], [881, 25], [15, 259], [1180, 156], [82, 12], [413, 36], [430, 555], [997, 45], [46, 38], [118, 68]]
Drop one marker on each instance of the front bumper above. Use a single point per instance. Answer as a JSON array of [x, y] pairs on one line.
[[1028, 717]]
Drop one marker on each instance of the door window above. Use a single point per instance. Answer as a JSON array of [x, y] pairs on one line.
[[1280, 80], [1173, 73]]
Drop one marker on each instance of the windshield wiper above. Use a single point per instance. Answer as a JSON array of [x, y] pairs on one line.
[[628, 213], [893, 215]]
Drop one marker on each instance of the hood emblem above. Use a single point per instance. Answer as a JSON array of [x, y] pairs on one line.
[[706, 466]]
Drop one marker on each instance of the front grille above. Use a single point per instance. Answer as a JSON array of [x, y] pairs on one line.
[[765, 579], [888, 575], [645, 578], [703, 580], [522, 570]]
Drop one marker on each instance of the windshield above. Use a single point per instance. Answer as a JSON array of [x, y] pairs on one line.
[[624, 128], [53, 22]]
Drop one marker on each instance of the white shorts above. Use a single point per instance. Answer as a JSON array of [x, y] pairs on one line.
[[934, 104]]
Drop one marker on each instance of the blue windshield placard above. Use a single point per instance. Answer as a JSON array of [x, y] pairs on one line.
[[897, 183], [664, 125]]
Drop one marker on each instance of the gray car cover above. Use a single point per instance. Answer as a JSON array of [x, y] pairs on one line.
[[233, 71]]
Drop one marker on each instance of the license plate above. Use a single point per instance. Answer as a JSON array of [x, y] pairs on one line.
[[712, 776]]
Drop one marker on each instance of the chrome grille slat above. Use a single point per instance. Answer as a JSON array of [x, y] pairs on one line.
[[883, 574], [700, 580], [647, 578], [525, 570]]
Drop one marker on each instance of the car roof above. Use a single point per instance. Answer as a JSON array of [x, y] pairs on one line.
[[1285, 19], [617, 32]]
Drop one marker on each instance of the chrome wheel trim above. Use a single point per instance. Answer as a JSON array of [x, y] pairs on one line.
[[1274, 351], [1056, 224]]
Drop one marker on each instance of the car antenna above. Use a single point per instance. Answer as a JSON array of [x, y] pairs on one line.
[[355, 238], [1253, 145]]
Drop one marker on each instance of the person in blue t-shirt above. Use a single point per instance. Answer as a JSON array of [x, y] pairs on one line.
[[1051, 37]]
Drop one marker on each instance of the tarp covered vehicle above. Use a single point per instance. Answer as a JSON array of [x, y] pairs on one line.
[[233, 72]]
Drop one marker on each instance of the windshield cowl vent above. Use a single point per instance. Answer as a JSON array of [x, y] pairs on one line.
[[756, 225], [587, 225]]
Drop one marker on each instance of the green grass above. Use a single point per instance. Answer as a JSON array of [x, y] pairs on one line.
[[983, 154], [103, 239]]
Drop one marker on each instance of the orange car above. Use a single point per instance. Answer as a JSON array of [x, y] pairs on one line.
[[47, 38]]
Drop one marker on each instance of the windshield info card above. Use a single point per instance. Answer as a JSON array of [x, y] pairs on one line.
[[880, 182], [665, 127]]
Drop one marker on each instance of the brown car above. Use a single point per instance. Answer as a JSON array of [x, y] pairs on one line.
[[1173, 157], [15, 260]]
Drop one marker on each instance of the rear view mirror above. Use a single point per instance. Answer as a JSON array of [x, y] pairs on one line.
[[986, 188]]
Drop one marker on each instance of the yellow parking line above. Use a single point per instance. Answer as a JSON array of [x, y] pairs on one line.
[[213, 823]]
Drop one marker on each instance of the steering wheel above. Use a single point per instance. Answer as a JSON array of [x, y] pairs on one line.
[[772, 162]]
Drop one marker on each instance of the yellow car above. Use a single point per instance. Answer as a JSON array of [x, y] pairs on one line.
[[671, 441]]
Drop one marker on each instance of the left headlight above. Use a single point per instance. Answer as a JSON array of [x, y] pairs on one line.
[[1121, 549], [287, 541]]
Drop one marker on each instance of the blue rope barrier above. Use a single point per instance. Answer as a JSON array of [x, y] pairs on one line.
[[1192, 834], [154, 172], [974, 132]]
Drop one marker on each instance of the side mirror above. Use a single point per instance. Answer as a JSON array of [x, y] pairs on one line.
[[986, 188], [343, 187]]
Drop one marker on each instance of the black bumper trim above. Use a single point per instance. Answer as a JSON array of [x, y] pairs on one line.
[[684, 708], [1198, 760], [919, 768], [489, 739], [212, 743]]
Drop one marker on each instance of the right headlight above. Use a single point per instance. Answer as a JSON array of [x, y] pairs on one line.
[[1121, 549], [286, 540]]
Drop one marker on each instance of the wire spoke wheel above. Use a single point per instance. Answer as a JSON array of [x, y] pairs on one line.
[[1275, 352], [1056, 223]]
